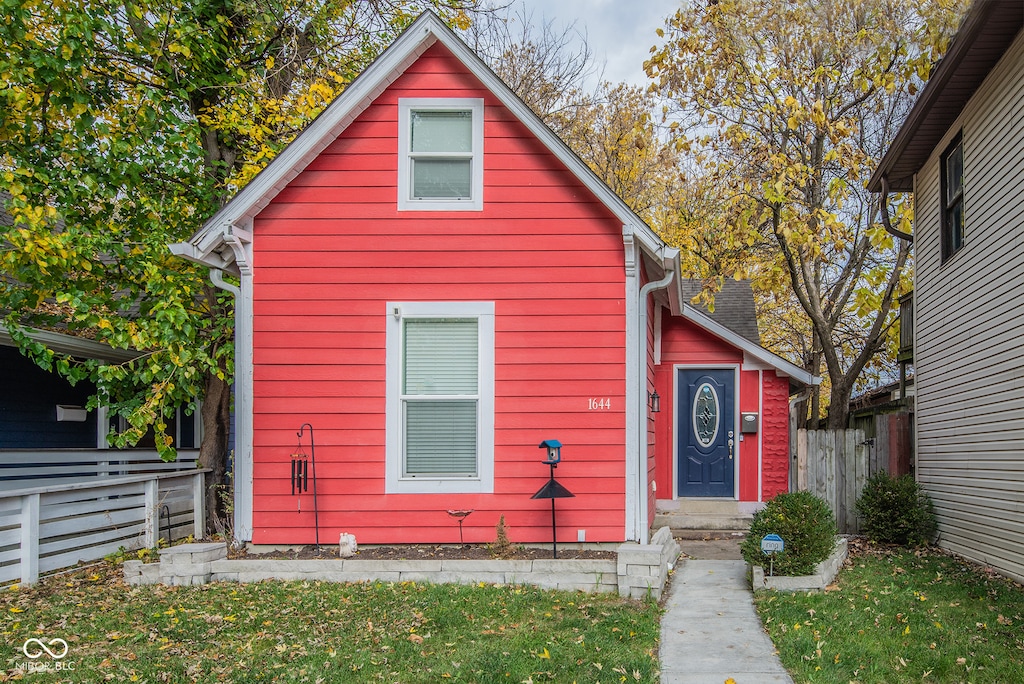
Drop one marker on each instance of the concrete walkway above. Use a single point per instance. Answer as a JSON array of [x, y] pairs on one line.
[[710, 631]]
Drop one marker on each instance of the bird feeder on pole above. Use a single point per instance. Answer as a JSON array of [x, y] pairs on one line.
[[552, 489]]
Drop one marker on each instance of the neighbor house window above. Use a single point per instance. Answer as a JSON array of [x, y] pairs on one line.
[[440, 397], [953, 198], [440, 165]]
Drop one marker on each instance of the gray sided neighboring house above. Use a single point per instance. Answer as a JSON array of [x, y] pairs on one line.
[[961, 152]]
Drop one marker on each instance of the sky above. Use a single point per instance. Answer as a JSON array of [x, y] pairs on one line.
[[620, 32]]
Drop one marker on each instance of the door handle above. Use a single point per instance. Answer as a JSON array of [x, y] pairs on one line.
[[731, 442]]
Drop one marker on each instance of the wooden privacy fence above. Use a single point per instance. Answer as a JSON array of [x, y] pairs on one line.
[[834, 465], [58, 524]]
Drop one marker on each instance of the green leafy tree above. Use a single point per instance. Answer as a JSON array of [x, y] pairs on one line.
[[123, 126], [789, 104]]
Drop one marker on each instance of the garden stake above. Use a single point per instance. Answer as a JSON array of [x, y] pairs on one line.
[[300, 476]]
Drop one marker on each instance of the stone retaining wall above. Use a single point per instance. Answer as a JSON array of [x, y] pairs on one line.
[[638, 572]]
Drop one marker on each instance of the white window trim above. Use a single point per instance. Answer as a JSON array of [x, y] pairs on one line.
[[394, 482], [406, 106]]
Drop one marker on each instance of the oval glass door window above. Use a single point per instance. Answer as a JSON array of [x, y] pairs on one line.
[[706, 414]]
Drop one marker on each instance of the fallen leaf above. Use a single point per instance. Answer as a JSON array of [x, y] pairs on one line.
[[416, 638], [544, 654]]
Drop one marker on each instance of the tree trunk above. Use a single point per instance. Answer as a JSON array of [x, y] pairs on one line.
[[839, 403], [812, 407], [213, 452]]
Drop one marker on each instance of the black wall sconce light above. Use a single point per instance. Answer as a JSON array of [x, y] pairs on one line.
[[654, 402]]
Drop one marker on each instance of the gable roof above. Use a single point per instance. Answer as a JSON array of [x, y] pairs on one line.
[[72, 345], [985, 34], [797, 375], [211, 244], [734, 321], [734, 306]]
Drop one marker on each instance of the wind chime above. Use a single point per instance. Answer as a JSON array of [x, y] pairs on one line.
[[300, 477]]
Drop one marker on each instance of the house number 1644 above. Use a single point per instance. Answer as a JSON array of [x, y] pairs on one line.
[[599, 404]]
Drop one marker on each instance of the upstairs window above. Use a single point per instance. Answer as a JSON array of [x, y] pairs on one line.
[[953, 198], [440, 166]]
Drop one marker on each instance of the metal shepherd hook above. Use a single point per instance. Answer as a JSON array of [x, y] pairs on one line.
[[312, 457]]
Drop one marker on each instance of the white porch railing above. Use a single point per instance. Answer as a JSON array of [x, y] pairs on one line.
[[21, 468], [57, 524]]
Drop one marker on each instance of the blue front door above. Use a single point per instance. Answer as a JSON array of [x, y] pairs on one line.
[[705, 462]]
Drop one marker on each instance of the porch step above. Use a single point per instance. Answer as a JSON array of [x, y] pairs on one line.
[[704, 518]]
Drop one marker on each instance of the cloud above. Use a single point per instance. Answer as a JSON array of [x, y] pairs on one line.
[[620, 33]]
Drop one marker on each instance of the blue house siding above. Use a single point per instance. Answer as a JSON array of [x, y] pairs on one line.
[[28, 407]]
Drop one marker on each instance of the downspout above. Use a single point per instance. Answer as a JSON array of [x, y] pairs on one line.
[[217, 278], [643, 485], [242, 466], [883, 205]]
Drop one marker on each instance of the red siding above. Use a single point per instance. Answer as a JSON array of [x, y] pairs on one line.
[[332, 248], [684, 343], [750, 396], [775, 435]]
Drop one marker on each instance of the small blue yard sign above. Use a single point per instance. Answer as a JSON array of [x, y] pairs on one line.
[[772, 543]]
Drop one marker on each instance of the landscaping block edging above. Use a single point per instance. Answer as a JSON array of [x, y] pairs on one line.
[[640, 570], [824, 573]]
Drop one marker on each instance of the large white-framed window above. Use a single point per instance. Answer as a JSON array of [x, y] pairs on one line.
[[440, 397], [440, 154]]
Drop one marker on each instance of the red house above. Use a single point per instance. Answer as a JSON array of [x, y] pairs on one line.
[[436, 283]]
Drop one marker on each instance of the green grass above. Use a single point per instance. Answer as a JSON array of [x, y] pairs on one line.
[[900, 616], [323, 632]]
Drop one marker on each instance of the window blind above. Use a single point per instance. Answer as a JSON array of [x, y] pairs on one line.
[[440, 388]]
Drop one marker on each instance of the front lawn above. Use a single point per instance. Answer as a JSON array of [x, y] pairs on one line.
[[901, 616], [323, 632]]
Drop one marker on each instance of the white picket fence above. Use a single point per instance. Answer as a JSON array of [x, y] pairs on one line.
[[50, 523]]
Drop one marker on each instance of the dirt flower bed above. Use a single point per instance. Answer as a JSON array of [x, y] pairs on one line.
[[431, 552]]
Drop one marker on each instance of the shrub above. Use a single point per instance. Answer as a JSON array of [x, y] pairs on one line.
[[894, 510], [502, 547], [806, 525]]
